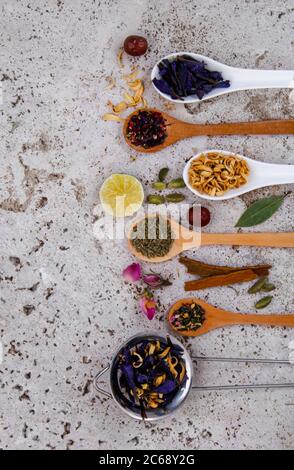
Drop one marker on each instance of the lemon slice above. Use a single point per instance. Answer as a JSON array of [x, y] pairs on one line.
[[121, 195]]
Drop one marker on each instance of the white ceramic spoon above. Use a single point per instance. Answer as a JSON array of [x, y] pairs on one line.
[[261, 175], [241, 79]]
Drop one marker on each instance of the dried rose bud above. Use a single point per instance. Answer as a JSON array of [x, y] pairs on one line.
[[133, 272], [155, 280]]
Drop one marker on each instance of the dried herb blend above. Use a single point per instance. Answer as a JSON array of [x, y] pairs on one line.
[[151, 373], [152, 237], [147, 129], [186, 76], [188, 317]]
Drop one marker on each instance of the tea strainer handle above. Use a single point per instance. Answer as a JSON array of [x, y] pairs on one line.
[[241, 386], [96, 379]]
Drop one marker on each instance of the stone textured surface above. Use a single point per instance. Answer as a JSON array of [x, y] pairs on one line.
[[64, 307]]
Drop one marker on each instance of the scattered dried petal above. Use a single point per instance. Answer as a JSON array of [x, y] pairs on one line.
[[112, 117], [119, 58]]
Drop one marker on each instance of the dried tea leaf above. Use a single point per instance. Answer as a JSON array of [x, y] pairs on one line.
[[112, 117]]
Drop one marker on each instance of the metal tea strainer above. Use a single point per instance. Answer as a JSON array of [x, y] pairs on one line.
[[152, 415]]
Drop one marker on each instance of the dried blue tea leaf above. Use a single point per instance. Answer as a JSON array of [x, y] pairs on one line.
[[151, 373], [167, 387], [185, 76], [162, 86], [142, 378]]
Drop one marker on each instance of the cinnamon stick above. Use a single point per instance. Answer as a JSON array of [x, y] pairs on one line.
[[236, 277], [202, 269]]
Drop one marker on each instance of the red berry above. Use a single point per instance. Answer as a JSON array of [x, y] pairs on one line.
[[193, 213], [205, 216], [135, 45]]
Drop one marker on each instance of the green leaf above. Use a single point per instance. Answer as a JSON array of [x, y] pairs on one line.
[[260, 211]]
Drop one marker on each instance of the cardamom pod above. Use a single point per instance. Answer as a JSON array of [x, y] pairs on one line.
[[155, 199], [176, 183], [175, 197], [264, 302], [162, 174], [258, 285], [159, 185], [268, 287]]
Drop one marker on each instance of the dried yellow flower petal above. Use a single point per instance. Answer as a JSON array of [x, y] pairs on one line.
[[118, 108], [139, 93], [119, 58], [136, 85], [144, 102], [132, 76], [112, 117], [129, 99]]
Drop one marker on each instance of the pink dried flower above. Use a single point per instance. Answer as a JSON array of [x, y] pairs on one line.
[[133, 272], [155, 280], [148, 305]]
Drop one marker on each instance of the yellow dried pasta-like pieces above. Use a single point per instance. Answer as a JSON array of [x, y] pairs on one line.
[[214, 173]]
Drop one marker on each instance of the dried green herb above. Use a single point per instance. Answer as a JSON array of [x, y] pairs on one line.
[[260, 211], [155, 199], [175, 197], [152, 237], [162, 174], [258, 285], [176, 183], [264, 302], [159, 185]]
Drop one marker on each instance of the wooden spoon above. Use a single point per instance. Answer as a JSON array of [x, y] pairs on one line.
[[186, 239], [179, 130], [218, 318]]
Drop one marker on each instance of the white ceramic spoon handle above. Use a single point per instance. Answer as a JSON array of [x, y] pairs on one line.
[[250, 78], [277, 174]]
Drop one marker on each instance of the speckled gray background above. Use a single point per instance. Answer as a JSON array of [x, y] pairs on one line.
[[64, 306]]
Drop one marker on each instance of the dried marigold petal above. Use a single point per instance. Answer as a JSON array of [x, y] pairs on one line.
[[112, 117], [144, 102], [132, 76], [118, 108], [119, 58], [139, 93], [135, 85], [129, 99]]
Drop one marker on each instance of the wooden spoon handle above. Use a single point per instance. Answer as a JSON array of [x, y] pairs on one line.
[[240, 128], [252, 319], [272, 239]]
